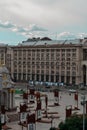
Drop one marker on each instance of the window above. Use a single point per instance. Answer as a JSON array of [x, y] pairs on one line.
[[63, 50], [73, 64], [73, 50], [73, 73], [68, 68], [62, 72], [68, 50], [68, 73], [42, 71], [85, 54]]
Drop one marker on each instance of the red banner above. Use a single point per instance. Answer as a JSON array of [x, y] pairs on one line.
[[23, 107], [32, 91], [56, 94], [68, 112], [38, 96], [76, 96], [30, 118], [46, 100], [38, 105], [25, 96]]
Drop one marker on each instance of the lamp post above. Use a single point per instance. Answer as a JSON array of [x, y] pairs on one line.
[[0, 99], [51, 121], [83, 104]]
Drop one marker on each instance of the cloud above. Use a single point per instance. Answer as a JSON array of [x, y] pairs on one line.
[[26, 31], [69, 35], [66, 36], [6, 25], [82, 35], [36, 31], [36, 28], [51, 14]]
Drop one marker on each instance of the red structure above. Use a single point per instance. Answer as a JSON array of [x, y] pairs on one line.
[[46, 102], [56, 96], [38, 96], [25, 95], [76, 100], [23, 113], [76, 96], [32, 95], [31, 122], [38, 108], [68, 111]]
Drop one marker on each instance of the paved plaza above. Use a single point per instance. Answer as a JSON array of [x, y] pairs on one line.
[[65, 99]]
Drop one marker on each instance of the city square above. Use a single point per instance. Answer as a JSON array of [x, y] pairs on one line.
[[66, 99], [43, 107]]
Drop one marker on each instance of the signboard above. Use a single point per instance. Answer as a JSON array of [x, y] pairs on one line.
[[31, 122], [23, 116], [31, 126], [2, 118], [39, 115]]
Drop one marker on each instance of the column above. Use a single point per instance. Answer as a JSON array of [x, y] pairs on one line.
[[22, 66], [44, 76], [49, 77], [86, 74], [40, 76], [54, 78]]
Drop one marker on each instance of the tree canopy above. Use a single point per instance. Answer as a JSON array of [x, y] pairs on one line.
[[52, 128], [73, 123]]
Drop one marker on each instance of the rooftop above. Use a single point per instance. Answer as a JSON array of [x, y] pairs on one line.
[[47, 41]]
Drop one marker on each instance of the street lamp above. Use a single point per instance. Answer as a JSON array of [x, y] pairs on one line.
[[83, 104], [0, 99], [51, 121]]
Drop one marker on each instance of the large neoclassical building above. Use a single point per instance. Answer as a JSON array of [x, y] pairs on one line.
[[47, 60]]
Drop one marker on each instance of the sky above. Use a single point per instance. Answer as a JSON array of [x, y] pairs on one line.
[[56, 19]]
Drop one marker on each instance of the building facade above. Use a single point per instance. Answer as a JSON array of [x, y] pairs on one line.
[[53, 61]]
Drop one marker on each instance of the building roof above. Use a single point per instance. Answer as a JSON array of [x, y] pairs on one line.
[[46, 42]]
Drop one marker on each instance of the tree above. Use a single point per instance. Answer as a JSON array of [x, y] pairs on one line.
[[0, 123], [73, 123], [52, 128]]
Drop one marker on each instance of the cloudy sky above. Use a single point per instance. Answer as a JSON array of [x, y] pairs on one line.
[[57, 19]]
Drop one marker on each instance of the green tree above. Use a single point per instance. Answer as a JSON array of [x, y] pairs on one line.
[[0, 123], [52, 128], [73, 123]]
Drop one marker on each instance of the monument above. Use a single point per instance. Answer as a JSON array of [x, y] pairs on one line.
[[6, 89]]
